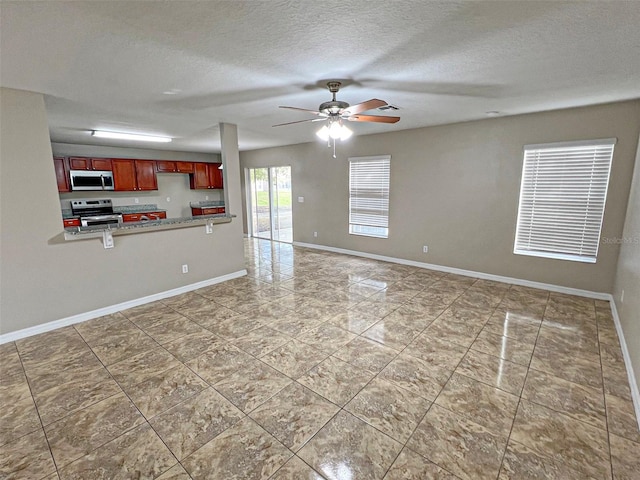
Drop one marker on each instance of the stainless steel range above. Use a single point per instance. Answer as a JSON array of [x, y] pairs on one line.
[[95, 212]]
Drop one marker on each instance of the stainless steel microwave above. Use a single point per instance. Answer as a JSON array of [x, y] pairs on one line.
[[91, 180]]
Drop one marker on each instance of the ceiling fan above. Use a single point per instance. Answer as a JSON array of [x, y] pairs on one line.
[[335, 112]]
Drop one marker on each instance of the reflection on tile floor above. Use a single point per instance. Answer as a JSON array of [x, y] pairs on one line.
[[325, 366]]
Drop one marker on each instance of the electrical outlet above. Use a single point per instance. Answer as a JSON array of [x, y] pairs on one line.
[[315, 234], [425, 249], [185, 268], [208, 228], [168, 199], [136, 200], [300, 199], [206, 197], [107, 239]]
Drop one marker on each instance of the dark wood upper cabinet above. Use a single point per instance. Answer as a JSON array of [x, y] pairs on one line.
[[215, 175], [132, 175], [146, 175], [124, 174], [174, 167], [101, 164], [165, 166], [200, 177], [206, 175], [62, 174], [79, 163], [88, 163], [184, 167]]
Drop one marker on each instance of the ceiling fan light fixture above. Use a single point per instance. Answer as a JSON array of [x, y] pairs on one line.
[[335, 130], [346, 133], [323, 133]]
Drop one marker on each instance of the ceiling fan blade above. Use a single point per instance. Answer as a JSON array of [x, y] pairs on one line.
[[364, 106], [373, 118], [315, 112], [299, 121]]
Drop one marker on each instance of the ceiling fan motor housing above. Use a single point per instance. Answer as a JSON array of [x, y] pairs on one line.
[[333, 107]]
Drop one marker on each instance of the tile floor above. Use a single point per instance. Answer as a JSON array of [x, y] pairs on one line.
[[319, 365]]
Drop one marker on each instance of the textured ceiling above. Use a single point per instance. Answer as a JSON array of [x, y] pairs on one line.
[[178, 68]]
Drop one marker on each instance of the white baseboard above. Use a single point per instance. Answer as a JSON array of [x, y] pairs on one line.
[[633, 384], [460, 271], [83, 317]]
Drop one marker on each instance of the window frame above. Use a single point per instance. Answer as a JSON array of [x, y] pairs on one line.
[[384, 226], [524, 248]]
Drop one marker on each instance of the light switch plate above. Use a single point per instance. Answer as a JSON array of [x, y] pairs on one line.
[[300, 199]]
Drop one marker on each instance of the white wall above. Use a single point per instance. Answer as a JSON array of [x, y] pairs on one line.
[[455, 188], [628, 274], [45, 279]]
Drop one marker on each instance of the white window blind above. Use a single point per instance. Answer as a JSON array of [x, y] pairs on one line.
[[562, 199], [369, 196]]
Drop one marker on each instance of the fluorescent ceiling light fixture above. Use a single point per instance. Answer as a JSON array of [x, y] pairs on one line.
[[130, 136]]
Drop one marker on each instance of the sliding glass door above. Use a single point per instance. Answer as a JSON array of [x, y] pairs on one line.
[[270, 203]]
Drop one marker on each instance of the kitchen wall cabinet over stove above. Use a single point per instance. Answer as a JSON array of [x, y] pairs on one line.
[[86, 163]]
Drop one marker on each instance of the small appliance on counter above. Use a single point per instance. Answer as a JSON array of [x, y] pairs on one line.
[[95, 212]]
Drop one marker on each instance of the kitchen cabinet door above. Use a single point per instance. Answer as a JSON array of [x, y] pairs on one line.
[[200, 177], [124, 174], [184, 167], [87, 163], [62, 174], [165, 166], [215, 175], [71, 222], [79, 163], [143, 217], [146, 175], [101, 164]]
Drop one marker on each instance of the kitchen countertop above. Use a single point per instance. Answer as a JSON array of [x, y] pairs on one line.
[[207, 204], [144, 208], [80, 233]]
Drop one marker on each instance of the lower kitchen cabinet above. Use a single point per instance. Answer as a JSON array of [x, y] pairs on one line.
[[206, 211], [71, 222], [143, 217]]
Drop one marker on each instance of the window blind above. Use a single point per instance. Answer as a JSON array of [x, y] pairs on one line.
[[562, 198], [369, 196]]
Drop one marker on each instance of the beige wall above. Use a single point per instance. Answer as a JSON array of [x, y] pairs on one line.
[[455, 188], [43, 279], [628, 275]]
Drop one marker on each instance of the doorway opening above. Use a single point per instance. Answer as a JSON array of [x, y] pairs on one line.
[[270, 203]]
